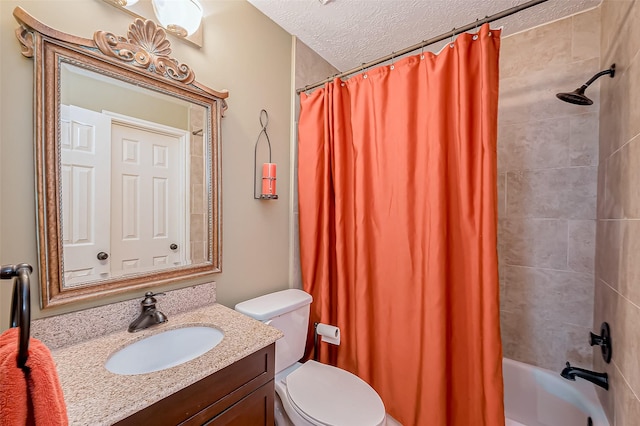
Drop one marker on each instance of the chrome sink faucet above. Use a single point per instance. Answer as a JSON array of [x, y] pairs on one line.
[[149, 316]]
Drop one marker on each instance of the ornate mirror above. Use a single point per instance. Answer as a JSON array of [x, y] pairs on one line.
[[127, 162]]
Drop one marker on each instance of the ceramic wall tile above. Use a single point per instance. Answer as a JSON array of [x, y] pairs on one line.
[[558, 296], [545, 343], [607, 397], [527, 54], [502, 194], [629, 266], [514, 105], [548, 153], [534, 145], [620, 109], [554, 193], [601, 201], [613, 181], [583, 141], [543, 87], [627, 405], [609, 239], [585, 39], [582, 244], [627, 346], [610, 126], [623, 37], [604, 298], [613, 15], [532, 96], [197, 197], [535, 242], [622, 198]]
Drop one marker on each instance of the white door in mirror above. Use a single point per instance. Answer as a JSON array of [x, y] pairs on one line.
[[124, 207], [164, 350], [146, 199], [86, 153]]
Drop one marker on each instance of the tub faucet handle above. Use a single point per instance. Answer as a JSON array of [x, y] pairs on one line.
[[603, 340]]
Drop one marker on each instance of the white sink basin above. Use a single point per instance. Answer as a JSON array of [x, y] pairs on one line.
[[164, 350]]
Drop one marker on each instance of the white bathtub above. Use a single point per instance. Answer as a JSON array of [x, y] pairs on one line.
[[537, 397]]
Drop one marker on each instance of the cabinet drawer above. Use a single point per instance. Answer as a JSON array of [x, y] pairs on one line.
[[212, 395], [255, 409]]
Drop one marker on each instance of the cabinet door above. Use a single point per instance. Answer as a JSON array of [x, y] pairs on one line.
[[255, 409], [214, 395]]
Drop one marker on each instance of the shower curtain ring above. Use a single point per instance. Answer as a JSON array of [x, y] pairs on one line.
[[364, 70], [453, 33], [392, 58], [422, 50]]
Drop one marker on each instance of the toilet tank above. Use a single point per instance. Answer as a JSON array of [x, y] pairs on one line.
[[288, 311]]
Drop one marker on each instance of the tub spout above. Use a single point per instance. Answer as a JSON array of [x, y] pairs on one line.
[[600, 379]]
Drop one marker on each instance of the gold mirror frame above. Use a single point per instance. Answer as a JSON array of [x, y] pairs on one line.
[[141, 58]]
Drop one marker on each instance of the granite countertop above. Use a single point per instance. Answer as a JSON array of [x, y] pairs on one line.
[[95, 396]]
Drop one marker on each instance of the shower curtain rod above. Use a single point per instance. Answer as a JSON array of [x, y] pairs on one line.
[[444, 36]]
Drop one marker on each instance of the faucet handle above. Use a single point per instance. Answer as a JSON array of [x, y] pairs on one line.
[[149, 298], [603, 340]]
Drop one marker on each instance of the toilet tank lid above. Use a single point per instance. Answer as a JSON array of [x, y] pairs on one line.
[[274, 304]]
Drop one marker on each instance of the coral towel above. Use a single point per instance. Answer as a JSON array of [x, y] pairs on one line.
[[33, 397]]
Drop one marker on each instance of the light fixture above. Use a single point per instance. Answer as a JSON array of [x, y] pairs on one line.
[[268, 191], [180, 17], [123, 3]]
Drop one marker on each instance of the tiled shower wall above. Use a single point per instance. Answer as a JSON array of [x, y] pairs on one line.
[[617, 292], [547, 180]]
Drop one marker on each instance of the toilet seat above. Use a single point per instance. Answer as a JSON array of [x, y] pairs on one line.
[[329, 396]]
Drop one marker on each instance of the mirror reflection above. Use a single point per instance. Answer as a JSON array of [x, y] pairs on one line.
[[133, 182]]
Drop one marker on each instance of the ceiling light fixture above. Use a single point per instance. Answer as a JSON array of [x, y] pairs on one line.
[[123, 3], [180, 17]]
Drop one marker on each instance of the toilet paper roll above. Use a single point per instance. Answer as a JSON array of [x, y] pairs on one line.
[[329, 333]]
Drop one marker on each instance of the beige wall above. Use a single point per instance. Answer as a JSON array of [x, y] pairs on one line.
[[547, 165], [123, 100], [618, 235], [243, 52]]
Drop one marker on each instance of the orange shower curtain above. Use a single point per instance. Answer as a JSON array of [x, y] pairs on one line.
[[397, 204]]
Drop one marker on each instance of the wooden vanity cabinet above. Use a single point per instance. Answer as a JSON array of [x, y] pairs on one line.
[[241, 394]]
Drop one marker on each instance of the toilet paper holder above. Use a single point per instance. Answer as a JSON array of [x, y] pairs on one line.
[[327, 333]]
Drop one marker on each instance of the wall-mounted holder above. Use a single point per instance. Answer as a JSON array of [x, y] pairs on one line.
[[603, 340], [268, 191]]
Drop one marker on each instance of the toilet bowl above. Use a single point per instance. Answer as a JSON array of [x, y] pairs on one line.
[[310, 393], [317, 394]]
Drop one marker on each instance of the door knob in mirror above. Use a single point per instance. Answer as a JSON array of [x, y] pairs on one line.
[[102, 256]]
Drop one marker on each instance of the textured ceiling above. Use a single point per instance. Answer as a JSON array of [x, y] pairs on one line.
[[348, 33]]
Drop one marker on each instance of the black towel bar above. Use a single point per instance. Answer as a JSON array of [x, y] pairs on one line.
[[20, 305]]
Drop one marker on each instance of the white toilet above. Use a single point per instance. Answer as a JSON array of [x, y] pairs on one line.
[[311, 393]]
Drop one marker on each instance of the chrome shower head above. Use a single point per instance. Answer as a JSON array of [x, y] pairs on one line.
[[578, 97]]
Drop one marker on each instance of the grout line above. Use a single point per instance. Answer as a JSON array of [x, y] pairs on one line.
[[549, 269], [623, 145], [618, 293], [625, 381], [550, 168]]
